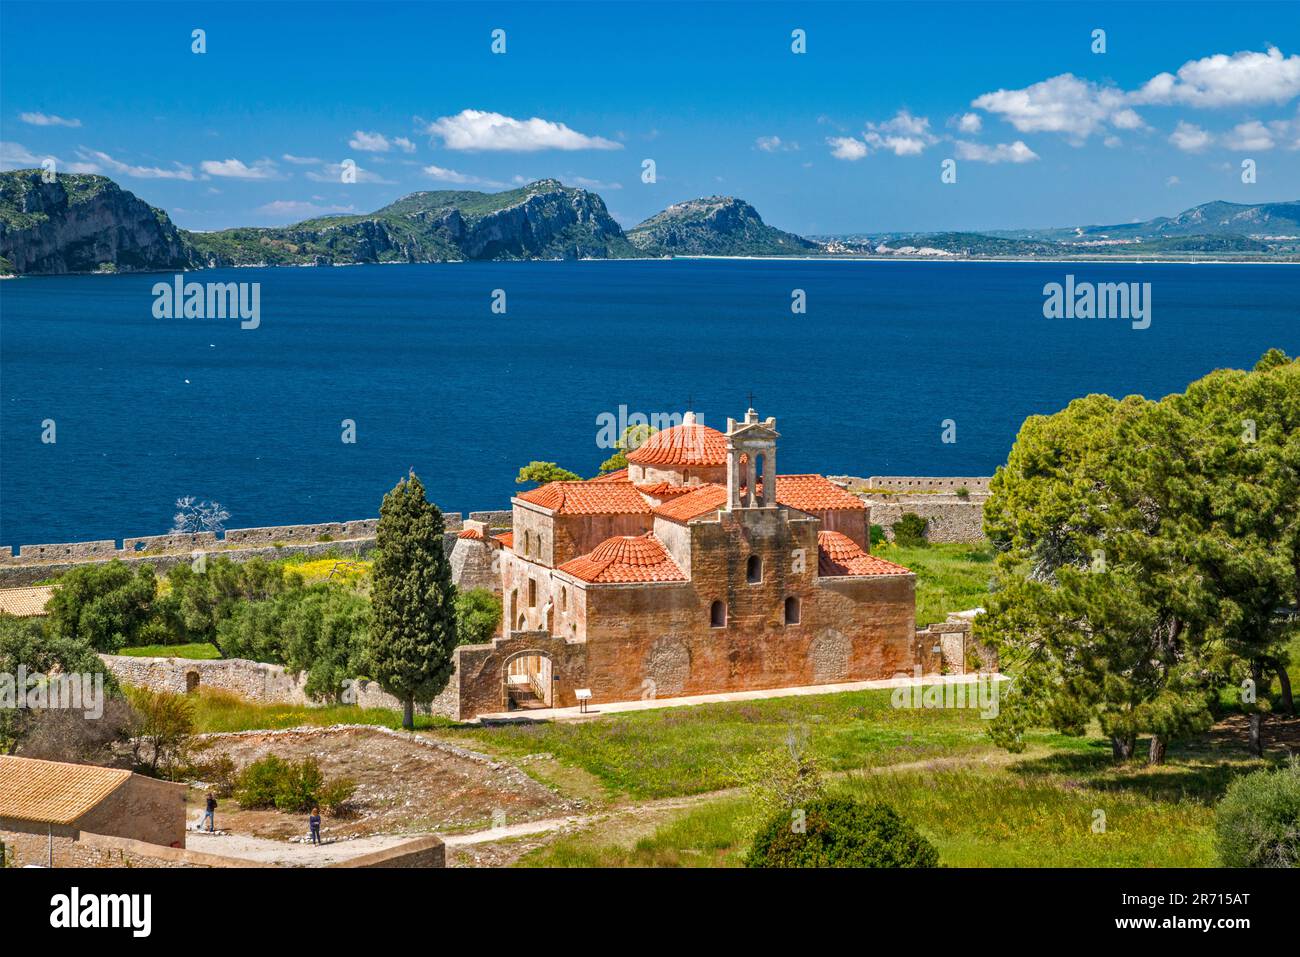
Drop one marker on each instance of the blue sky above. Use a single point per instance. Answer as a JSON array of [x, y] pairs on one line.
[[849, 136]]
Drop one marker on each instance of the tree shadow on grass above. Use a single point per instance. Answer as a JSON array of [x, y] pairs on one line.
[[1190, 774]]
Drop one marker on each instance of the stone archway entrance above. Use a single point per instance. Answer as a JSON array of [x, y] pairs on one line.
[[528, 681]]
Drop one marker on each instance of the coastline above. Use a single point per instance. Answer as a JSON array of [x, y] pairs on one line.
[[807, 259]]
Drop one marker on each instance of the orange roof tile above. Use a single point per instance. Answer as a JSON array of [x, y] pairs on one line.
[[814, 493], [665, 489], [702, 500], [686, 444], [470, 533], [506, 538], [619, 475], [53, 792], [25, 602], [623, 559], [588, 498], [838, 556]]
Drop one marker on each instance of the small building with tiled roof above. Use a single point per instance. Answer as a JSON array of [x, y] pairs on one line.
[[698, 570], [46, 807], [25, 602]]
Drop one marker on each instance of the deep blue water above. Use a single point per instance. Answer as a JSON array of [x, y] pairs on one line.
[[435, 380]]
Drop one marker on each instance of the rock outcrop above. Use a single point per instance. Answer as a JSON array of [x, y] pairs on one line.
[[83, 223], [715, 226]]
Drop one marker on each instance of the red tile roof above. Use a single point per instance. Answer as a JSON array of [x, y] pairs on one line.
[[838, 555], [588, 498], [470, 533], [625, 558], [814, 493], [617, 476], [702, 500], [686, 444], [665, 489], [506, 538]]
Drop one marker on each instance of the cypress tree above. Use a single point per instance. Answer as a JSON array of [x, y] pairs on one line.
[[413, 601]]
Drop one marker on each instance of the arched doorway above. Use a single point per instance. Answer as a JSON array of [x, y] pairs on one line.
[[528, 681]]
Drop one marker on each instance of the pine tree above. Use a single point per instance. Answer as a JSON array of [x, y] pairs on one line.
[[413, 601]]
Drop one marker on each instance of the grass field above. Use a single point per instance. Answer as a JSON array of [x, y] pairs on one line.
[[949, 577], [219, 711], [201, 651], [998, 815], [679, 751]]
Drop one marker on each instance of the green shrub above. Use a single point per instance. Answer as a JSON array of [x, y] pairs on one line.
[[963, 492], [478, 616], [878, 536], [1257, 824], [290, 786], [336, 796], [258, 783], [220, 772], [299, 786], [909, 530], [841, 832]]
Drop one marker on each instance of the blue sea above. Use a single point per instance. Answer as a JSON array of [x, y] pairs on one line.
[[147, 410]]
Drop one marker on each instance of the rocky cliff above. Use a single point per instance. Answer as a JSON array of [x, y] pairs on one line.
[[81, 223], [715, 226], [543, 220]]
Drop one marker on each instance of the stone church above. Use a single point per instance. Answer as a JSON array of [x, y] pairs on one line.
[[697, 569]]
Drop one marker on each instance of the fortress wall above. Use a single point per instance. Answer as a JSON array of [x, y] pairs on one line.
[[923, 483]]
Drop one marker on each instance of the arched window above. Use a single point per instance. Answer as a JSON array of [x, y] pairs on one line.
[[564, 599], [792, 610], [754, 570], [532, 593], [718, 615]]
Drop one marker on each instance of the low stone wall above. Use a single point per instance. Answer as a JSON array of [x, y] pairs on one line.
[[929, 483], [254, 680], [949, 647], [422, 852], [947, 517], [234, 538]]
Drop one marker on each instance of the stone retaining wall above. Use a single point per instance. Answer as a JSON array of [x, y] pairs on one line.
[[947, 517]]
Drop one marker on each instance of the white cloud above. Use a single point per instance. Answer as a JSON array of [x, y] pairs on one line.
[[587, 183], [970, 123], [237, 169], [904, 135], [1064, 104], [369, 142], [1244, 77], [444, 175], [333, 173], [47, 119], [1252, 135], [1172, 181], [484, 130], [138, 172], [300, 208], [1189, 137], [302, 160], [846, 147], [403, 144], [1016, 152], [774, 144]]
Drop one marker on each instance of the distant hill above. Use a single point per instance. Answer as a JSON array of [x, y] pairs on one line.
[[1218, 218], [543, 220], [715, 226], [82, 223]]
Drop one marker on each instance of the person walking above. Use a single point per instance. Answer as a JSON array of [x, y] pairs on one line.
[[314, 823], [209, 815]]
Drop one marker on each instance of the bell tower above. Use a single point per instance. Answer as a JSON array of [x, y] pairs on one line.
[[751, 462]]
